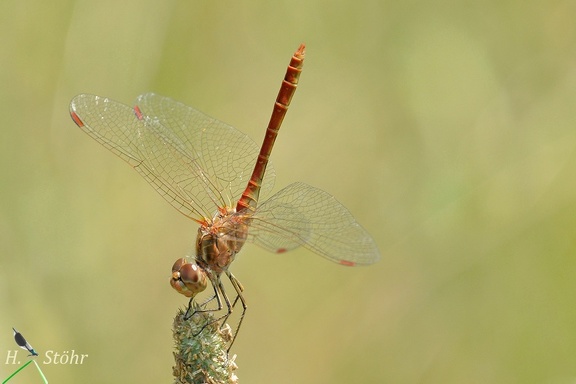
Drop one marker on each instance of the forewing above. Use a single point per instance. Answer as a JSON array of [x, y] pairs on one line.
[[174, 169], [225, 153]]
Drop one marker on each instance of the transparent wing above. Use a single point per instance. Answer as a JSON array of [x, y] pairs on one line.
[[301, 215], [177, 151], [226, 153]]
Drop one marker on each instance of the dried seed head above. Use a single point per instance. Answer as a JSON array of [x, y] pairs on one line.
[[201, 350]]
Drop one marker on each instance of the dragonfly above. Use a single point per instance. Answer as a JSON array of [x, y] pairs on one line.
[[214, 175], [22, 343]]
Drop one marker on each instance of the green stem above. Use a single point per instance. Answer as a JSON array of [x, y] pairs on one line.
[[41, 373], [18, 370]]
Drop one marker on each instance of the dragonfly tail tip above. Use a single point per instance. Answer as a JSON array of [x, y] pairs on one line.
[[300, 51]]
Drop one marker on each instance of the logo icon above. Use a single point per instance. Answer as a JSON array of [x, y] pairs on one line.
[[21, 341]]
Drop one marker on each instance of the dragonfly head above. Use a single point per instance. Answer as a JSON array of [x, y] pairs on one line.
[[188, 278]]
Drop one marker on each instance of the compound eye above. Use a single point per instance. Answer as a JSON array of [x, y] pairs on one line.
[[178, 265], [190, 273]]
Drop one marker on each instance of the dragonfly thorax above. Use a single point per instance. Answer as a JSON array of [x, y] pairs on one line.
[[218, 243]]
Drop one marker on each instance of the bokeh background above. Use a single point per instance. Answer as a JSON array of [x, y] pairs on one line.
[[447, 128]]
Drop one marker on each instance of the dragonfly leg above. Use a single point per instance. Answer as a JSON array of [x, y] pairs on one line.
[[216, 296], [239, 289], [219, 294], [226, 299], [205, 302]]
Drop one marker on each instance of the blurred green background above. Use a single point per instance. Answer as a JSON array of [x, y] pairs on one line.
[[447, 128]]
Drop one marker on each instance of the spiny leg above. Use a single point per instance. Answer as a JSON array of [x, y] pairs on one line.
[[200, 306], [239, 289], [216, 296], [219, 293]]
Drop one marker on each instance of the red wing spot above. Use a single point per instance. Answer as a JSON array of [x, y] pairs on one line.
[[281, 250], [347, 263], [76, 119], [138, 113]]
